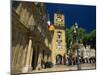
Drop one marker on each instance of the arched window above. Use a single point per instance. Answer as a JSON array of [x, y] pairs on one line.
[[59, 34]]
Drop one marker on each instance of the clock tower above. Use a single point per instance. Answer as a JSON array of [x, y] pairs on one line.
[[58, 41]]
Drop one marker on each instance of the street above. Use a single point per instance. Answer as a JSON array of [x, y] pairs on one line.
[[66, 68]]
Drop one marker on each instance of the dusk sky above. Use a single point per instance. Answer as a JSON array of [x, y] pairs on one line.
[[84, 15]]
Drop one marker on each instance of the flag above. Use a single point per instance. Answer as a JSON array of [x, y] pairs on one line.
[[51, 27]]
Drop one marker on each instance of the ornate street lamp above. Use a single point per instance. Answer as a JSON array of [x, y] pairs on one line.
[[76, 41]]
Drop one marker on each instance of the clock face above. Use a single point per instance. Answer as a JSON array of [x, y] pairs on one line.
[[59, 20]]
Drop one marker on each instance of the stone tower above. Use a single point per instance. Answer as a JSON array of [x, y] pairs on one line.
[[58, 41]]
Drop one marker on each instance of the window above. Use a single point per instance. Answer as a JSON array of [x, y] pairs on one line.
[[59, 34]]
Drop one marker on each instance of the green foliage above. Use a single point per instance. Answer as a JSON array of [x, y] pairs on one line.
[[90, 38], [93, 34], [83, 37], [68, 37], [81, 33]]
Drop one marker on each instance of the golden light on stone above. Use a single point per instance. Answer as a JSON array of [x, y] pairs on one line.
[[51, 27]]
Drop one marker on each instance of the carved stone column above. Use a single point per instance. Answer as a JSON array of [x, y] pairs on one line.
[[30, 62], [39, 61], [28, 67]]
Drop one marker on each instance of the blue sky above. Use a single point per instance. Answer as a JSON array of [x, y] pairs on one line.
[[84, 15]]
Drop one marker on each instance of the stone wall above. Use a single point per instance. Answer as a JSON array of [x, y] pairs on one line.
[[30, 37]]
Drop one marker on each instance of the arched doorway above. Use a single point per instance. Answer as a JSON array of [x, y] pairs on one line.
[[58, 59]]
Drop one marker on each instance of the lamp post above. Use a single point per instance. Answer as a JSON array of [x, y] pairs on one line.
[[76, 41]]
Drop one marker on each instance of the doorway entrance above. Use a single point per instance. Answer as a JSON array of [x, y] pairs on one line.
[[58, 59]]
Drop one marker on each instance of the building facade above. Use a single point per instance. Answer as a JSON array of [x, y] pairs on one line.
[[31, 39], [32, 42]]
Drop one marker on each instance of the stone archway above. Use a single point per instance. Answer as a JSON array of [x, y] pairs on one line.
[[59, 59]]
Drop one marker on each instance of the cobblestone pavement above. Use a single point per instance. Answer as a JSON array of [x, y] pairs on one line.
[[66, 68]]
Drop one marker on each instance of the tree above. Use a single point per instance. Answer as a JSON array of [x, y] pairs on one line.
[[81, 33], [90, 39], [69, 36], [93, 39], [86, 39]]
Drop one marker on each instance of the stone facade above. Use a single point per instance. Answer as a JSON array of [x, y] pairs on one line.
[[31, 39], [86, 52], [32, 42], [58, 40]]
